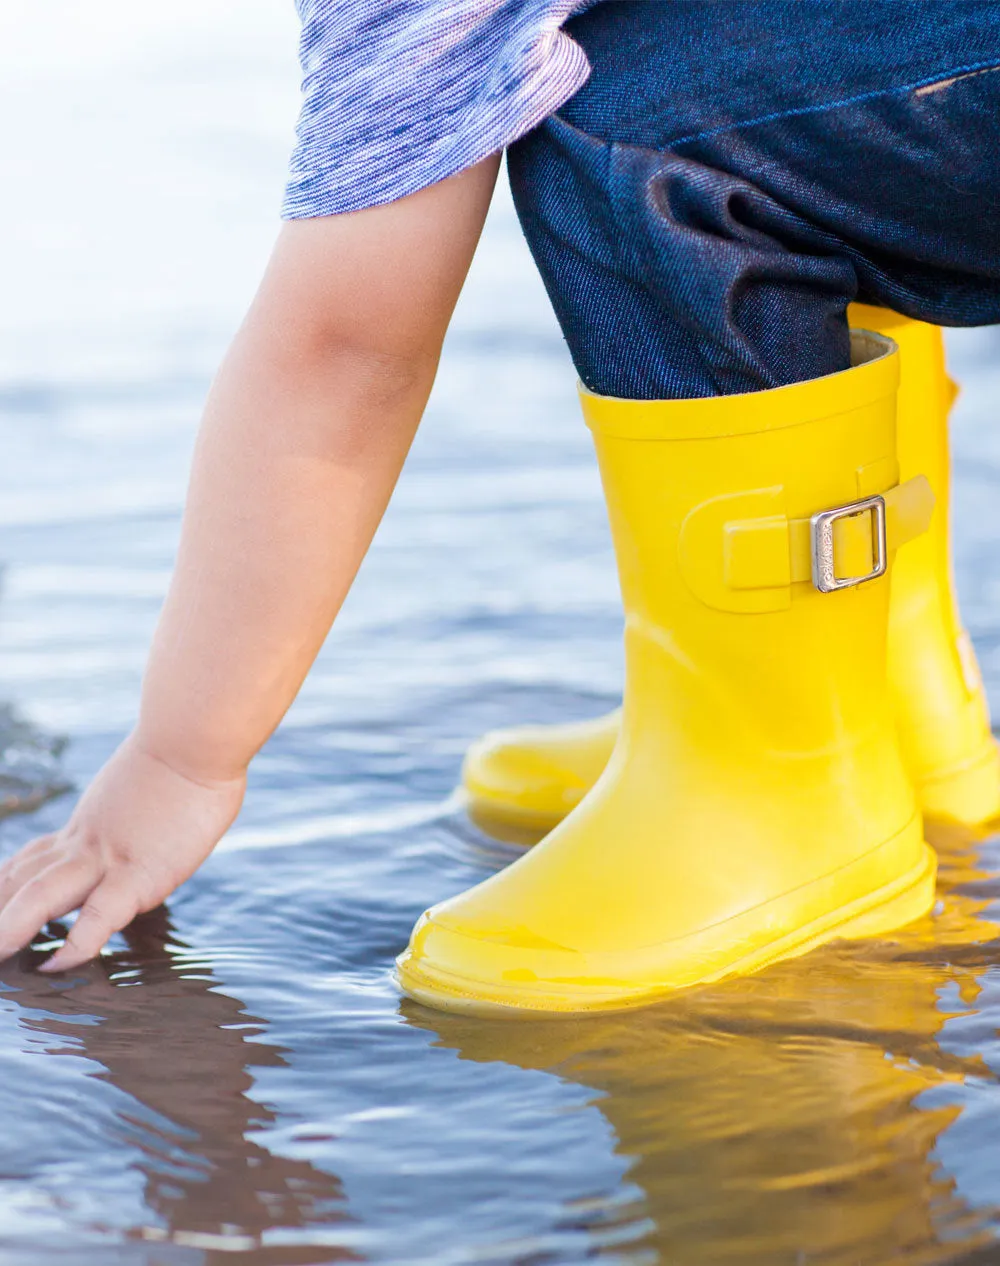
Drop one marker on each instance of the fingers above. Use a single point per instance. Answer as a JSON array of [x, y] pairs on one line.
[[35, 889], [111, 905], [54, 890]]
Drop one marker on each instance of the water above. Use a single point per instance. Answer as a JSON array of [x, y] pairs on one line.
[[237, 1080]]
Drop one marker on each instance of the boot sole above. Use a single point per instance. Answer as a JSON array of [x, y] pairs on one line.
[[882, 911]]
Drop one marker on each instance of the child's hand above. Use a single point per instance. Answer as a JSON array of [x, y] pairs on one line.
[[140, 829]]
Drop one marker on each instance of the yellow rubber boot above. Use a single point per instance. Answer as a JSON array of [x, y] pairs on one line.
[[756, 802], [941, 707], [520, 782]]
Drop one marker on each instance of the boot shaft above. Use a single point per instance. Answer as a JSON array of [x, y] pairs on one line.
[[710, 503]]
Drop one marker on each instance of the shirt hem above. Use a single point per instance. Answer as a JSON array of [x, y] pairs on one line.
[[329, 195]]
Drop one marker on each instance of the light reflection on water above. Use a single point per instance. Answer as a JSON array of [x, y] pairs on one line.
[[238, 1081]]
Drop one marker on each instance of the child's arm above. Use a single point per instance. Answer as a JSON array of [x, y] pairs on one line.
[[304, 434]]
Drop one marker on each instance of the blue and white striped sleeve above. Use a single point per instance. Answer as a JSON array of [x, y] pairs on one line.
[[399, 94]]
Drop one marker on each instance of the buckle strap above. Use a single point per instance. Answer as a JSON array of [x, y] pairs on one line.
[[764, 553], [834, 549]]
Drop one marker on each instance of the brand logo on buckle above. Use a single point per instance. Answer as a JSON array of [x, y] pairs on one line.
[[821, 525]]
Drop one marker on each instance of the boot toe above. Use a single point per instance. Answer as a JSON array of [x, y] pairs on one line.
[[463, 965], [522, 779]]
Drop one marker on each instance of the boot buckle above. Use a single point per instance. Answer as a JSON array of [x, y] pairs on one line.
[[821, 526]]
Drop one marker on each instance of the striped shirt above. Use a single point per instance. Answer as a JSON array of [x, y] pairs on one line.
[[399, 94]]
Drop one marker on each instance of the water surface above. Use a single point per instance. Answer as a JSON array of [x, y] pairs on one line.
[[237, 1079]]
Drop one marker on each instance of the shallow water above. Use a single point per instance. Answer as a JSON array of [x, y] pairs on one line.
[[237, 1080]]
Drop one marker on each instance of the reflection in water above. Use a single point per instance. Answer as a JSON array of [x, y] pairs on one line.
[[795, 1116], [186, 1056]]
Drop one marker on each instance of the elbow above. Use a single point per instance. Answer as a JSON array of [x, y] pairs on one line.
[[375, 369]]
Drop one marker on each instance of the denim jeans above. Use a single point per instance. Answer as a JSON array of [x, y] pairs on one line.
[[735, 172]]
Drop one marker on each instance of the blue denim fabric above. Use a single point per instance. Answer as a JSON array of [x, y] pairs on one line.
[[735, 172]]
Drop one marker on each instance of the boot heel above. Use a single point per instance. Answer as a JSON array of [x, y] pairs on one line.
[[893, 907]]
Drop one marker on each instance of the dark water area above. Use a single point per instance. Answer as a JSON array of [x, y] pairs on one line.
[[30, 768], [237, 1080]]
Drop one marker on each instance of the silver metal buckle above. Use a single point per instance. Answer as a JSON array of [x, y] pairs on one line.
[[824, 577]]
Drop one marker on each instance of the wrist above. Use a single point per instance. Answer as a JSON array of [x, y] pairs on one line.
[[184, 760]]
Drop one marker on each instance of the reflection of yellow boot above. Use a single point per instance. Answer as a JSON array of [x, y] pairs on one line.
[[756, 803], [798, 1115], [521, 782]]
